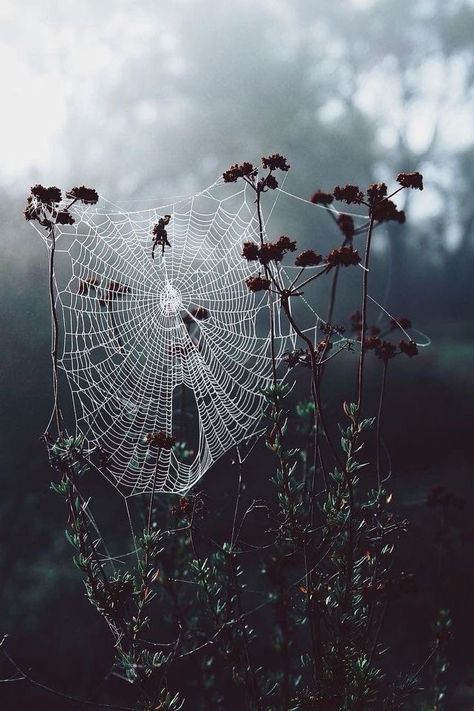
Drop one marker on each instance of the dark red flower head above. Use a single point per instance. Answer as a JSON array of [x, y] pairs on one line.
[[64, 218], [344, 257], [409, 348], [268, 252], [43, 205], [275, 251], [386, 211], [308, 258], [88, 196], [270, 182], [376, 192], [410, 180], [275, 162], [258, 283], [238, 171], [250, 251], [349, 194], [322, 198], [47, 196], [287, 244], [346, 225]]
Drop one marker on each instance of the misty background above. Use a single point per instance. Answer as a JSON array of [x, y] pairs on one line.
[[150, 99]]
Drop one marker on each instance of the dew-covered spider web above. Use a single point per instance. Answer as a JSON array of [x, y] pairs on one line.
[[137, 329], [149, 336]]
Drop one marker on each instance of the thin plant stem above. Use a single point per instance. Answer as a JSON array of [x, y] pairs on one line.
[[152, 495], [379, 422], [365, 286], [56, 414]]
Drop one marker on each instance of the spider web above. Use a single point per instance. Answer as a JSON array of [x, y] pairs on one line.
[[131, 339], [173, 342]]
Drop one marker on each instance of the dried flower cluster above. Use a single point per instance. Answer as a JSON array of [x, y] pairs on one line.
[[343, 257], [346, 225], [322, 198], [308, 258], [375, 340], [44, 204], [410, 180], [258, 283], [276, 162], [387, 211], [88, 196], [249, 173], [269, 251], [244, 170], [351, 194]]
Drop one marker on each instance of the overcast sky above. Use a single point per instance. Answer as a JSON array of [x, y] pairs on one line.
[[80, 79]]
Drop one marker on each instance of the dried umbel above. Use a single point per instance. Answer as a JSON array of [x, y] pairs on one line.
[[250, 174], [387, 211], [276, 162], [410, 180], [269, 251], [322, 198], [409, 348], [244, 170], [47, 196], [250, 251], [308, 258], [46, 205], [258, 283], [349, 194], [376, 193], [64, 217], [343, 257], [42, 205], [346, 225], [88, 196]]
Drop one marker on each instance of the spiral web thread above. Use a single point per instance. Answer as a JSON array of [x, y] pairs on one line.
[[127, 350]]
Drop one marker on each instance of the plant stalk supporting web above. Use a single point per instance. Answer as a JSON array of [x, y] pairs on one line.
[[56, 414]]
